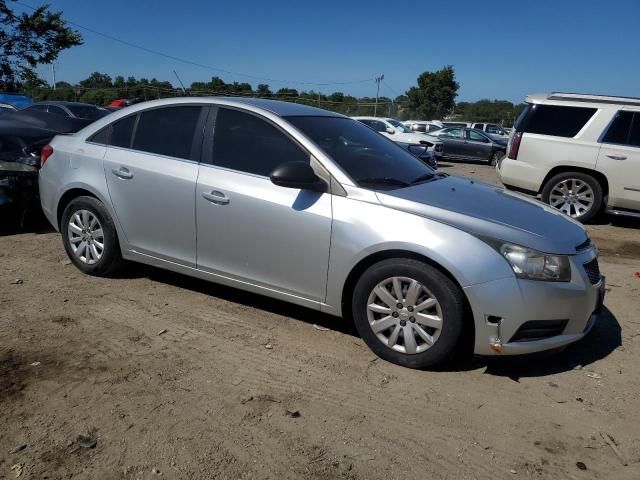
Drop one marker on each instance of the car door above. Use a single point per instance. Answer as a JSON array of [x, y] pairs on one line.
[[250, 229], [619, 160], [151, 167], [476, 145], [453, 143]]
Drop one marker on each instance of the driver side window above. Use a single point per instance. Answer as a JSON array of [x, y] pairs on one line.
[[249, 144]]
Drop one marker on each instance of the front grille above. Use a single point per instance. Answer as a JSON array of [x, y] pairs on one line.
[[593, 271], [539, 330]]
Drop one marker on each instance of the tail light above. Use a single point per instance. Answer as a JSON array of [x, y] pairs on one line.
[[515, 145], [45, 153]]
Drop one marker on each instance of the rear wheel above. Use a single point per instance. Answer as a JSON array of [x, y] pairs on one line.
[[90, 237], [495, 157], [576, 194], [408, 312]]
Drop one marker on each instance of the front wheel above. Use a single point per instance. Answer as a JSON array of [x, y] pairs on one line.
[[90, 237], [408, 312], [576, 194]]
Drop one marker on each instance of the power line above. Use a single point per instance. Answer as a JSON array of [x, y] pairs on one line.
[[201, 65]]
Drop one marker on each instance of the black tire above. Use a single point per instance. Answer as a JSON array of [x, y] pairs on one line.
[[596, 188], [495, 157], [445, 291], [111, 259]]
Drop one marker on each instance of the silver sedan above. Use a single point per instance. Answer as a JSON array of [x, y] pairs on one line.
[[314, 208]]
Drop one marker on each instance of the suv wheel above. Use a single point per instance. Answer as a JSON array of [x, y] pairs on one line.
[[90, 237], [408, 312], [576, 194]]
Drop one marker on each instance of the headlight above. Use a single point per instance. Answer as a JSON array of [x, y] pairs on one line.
[[534, 265]]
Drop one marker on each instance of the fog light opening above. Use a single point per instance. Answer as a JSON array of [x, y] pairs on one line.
[[495, 342]]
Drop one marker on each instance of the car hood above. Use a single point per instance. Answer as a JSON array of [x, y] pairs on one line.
[[485, 210]]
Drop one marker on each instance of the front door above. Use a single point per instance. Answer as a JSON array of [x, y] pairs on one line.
[[250, 229], [151, 170], [476, 146]]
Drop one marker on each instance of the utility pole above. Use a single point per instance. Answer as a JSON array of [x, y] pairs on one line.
[[53, 71], [375, 108]]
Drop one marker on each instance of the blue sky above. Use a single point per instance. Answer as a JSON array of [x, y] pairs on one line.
[[499, 49]]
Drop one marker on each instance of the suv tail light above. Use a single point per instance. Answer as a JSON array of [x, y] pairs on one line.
[[515, 145], [45, 153]]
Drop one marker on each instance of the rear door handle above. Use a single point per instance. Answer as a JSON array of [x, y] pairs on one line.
[[216, 196], [617, 157], [122, 172]]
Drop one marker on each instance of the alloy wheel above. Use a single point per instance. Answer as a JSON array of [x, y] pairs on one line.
[[573, 197], [404, 315], [86, 237]]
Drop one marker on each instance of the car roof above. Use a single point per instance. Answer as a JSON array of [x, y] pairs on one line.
[[65, 104], [579, 99], [277, 107]]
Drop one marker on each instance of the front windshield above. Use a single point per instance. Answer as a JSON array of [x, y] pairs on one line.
[[369, 158], [399, 126]]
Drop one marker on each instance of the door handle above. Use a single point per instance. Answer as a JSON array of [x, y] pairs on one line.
[[216, 197], [122, 172], [617, 157]]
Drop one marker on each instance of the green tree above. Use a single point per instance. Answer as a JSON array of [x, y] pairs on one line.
[[97, 80], [119, 82], [263, 89], [434, 97], [28, 40]]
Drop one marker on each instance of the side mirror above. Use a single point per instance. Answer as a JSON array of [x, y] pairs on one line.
[[297, 175], [391, 130]]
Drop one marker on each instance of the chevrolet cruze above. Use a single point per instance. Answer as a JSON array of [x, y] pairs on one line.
[[317, 209]]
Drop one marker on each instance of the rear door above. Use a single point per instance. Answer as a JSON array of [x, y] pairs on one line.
[[453, 142], [250, 229], [619, 160], [151, 167]]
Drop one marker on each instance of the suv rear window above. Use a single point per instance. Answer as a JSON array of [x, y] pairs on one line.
[[554, 120]]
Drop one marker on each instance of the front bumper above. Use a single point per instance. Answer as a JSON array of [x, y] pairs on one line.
[[502, 308]]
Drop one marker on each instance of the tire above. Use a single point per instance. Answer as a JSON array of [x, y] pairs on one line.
[[495, 157], [83, 244], [391, 324], [588, 192]]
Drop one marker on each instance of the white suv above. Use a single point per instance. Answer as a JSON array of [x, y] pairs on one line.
[[581, 153], [492, 129]]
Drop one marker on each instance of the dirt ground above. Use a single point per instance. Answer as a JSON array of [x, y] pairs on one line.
[[177, 378]]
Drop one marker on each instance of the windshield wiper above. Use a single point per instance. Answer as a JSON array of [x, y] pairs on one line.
[[425, 177], [383, 181]]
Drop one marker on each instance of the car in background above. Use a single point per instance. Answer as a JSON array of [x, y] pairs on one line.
[[18, 100], [423, 126], [314, 208], [71, 109], [579, 152], [456, 124], [492, 129], [461, 143], [398, 132], [6, 107]]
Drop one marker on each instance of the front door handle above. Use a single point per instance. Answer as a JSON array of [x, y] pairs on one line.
[[617, 157], [216, 196], [122, 172]]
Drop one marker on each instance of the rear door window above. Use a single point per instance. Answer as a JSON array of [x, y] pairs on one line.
[[619, 129], [168, 131], [247, 143], [122, 132], [555, 120]]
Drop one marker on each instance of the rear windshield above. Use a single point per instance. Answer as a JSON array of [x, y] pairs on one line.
[[91, 113], [554, 120]]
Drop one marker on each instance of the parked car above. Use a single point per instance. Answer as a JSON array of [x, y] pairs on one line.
[[422, 152], [580, 153], [492, 129], [423, 126], [396, 131], [456, 124], [16, 100], [71, 109], [470, 144], [314, 208], [6, 107]]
